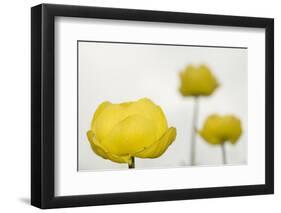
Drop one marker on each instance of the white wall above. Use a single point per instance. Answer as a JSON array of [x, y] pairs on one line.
[[15, 105]]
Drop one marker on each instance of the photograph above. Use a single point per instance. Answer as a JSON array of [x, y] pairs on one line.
[[160, 106], [139, 105]]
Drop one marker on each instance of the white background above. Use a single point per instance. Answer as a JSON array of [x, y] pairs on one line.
[[15, 106]]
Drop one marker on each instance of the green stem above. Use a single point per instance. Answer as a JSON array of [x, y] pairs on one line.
[[193, 132], [132, 165], [223, 153]]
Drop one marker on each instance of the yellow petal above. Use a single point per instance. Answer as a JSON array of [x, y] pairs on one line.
[[102, 152], [130, 135], [118, 130], [159, 147], [96, 146], [231, 126], [111, 114], [218, 129], [152, 112], [119, 158], [197, 81], [99, 110], [210, 138], [110, 117]]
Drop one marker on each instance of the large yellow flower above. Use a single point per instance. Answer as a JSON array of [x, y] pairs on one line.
[[219, 129], [133, 129], [197, 81]]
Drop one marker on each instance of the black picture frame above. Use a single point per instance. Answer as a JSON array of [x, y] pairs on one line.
[[43, 102]]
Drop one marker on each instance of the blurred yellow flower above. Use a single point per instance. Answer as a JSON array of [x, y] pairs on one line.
[[197, 81], [219, 129], [132, 129]]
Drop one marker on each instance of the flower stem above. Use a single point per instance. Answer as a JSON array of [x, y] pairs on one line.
[[223, 153], [132, 165], [193, 132]]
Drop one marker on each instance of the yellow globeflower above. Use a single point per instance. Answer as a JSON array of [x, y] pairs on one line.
[[133, 129], [197, 81], [219, 129]]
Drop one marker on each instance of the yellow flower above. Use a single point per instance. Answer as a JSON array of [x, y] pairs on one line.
[[197, 81], [219, 129], [132, 129]]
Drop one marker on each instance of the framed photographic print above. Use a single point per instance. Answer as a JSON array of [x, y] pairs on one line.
[[139, 106]]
